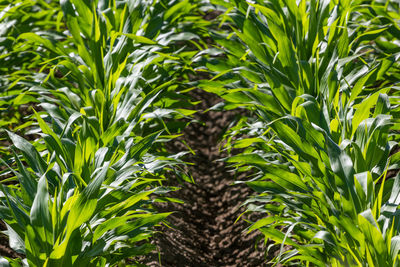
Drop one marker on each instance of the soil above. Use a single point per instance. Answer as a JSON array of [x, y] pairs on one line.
[[5, 249], [204, 230]]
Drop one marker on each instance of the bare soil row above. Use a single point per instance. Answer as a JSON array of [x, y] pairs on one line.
[[204, 230]]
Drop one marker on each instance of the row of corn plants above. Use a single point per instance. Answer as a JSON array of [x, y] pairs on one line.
[[17, 18], [105, 84], [321, 146]]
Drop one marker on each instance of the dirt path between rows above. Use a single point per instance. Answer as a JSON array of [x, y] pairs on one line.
[[204, 231]]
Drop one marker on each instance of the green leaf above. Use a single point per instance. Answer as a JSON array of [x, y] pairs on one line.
[[33, 158], [140, 39]]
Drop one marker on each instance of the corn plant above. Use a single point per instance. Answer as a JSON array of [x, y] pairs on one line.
[[323, 136], [55, 217]]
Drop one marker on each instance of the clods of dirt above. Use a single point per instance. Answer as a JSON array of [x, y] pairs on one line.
[[204, 230]]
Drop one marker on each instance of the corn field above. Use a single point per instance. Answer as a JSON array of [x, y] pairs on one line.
[[199, 133]]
